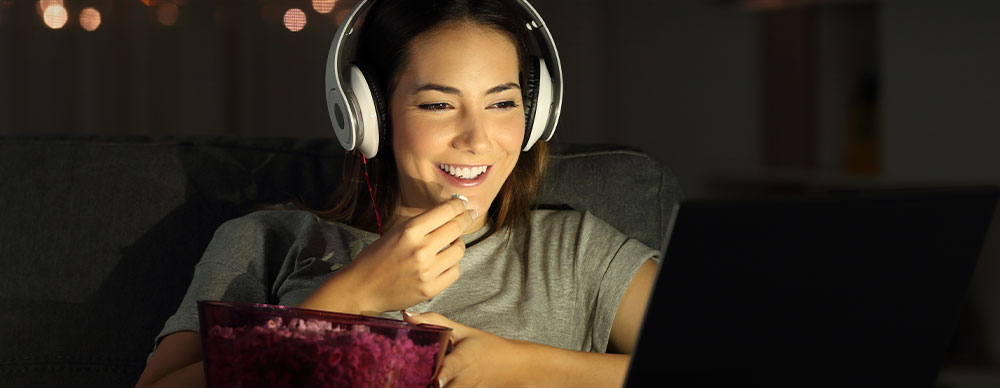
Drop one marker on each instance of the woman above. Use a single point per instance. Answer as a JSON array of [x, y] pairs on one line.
[[533, 297]]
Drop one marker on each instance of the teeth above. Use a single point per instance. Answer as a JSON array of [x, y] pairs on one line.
[[464, 172]]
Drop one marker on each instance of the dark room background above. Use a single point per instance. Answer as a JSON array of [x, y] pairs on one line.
[[735, 96]]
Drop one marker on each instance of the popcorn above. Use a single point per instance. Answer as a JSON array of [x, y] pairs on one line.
[[314, 353]]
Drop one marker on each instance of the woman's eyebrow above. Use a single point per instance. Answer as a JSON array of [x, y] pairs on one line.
[[503, 87], [451, 90], [437, 87]]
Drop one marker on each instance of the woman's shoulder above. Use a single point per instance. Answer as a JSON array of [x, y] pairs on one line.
[[288, 219], [248, 238], [259, 235], [564, 218], [569, 225], [277, 219], [574, 225], [292, 223]]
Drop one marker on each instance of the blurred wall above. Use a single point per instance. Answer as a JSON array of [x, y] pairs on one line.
[[679, 79], [941, 66], [942, 113], [675, 78]]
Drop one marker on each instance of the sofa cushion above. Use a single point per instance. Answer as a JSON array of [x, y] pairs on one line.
[[620, 185], [100, 234]]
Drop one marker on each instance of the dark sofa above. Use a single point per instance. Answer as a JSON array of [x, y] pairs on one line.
[[99, 234]]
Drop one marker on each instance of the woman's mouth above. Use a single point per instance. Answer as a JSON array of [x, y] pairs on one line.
[[464, 175]]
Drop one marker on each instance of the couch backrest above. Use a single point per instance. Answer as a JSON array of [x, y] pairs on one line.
[[99, 235]]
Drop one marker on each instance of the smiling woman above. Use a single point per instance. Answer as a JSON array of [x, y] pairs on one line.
[[394, 36], [457, 103], [535, 297]]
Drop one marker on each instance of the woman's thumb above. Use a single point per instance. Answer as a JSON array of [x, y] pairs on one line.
[[457, 330]]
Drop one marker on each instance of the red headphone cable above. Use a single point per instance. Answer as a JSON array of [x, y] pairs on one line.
[[378, 219]]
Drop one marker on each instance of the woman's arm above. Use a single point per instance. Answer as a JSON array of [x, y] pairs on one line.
[[554, 366], [632, 309], [481, 358], [542, 365], [176, 362]]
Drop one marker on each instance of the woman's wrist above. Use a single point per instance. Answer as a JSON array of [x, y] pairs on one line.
[[342, 293], [542, 365], [524, 363]]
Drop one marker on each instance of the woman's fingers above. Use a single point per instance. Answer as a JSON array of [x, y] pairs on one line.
[[440, 320], [446, 372], [434, 218], [458, 331], [417, 260], [450, 231], [447, 258], [429, 318], [443, 271], [446, 278], [454, 363]]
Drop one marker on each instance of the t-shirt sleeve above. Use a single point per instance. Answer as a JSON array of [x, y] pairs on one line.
[[232, 268], [606, 263]]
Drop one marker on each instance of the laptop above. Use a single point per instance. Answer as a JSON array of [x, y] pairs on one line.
[[859, 289]]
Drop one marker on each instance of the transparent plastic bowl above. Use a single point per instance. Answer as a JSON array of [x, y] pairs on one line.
[[260, 345]]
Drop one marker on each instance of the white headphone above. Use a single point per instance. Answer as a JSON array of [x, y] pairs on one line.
[[358, 110]]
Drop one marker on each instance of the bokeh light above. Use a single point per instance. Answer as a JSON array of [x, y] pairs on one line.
[[42, 5], [90, 19], [324, 6], [55, 16], [167, 13], [295, 20]]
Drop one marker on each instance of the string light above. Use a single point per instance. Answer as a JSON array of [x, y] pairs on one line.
[[55, 16], [323, 6], [42, 5], [167, 13], [295, 20], [90, 19]]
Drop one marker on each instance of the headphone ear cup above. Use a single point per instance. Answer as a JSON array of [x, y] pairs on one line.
[[530, 101], [374, 108]]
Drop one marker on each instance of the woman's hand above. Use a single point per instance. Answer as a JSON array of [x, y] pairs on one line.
[[477, 357], [480, 358], [412, 262]]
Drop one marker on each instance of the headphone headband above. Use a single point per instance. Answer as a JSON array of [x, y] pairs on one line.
[[340, 104], [550, 55], [357, 111]]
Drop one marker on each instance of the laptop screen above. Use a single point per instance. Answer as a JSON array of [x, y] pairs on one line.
[[850, 289]]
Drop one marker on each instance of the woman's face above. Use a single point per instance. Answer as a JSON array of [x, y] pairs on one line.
[[457, 119]]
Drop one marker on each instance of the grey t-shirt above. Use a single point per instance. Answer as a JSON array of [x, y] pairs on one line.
[[557, 282]]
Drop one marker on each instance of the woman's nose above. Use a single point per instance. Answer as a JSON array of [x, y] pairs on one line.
[[473, 135]]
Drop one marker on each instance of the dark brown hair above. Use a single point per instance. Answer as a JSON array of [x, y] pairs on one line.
[[384, 48]]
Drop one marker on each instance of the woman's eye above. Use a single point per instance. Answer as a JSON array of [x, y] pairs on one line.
[[505, 105], [435, 106]]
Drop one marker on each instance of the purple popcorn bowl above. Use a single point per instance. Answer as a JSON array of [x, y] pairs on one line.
[[260, 345]]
